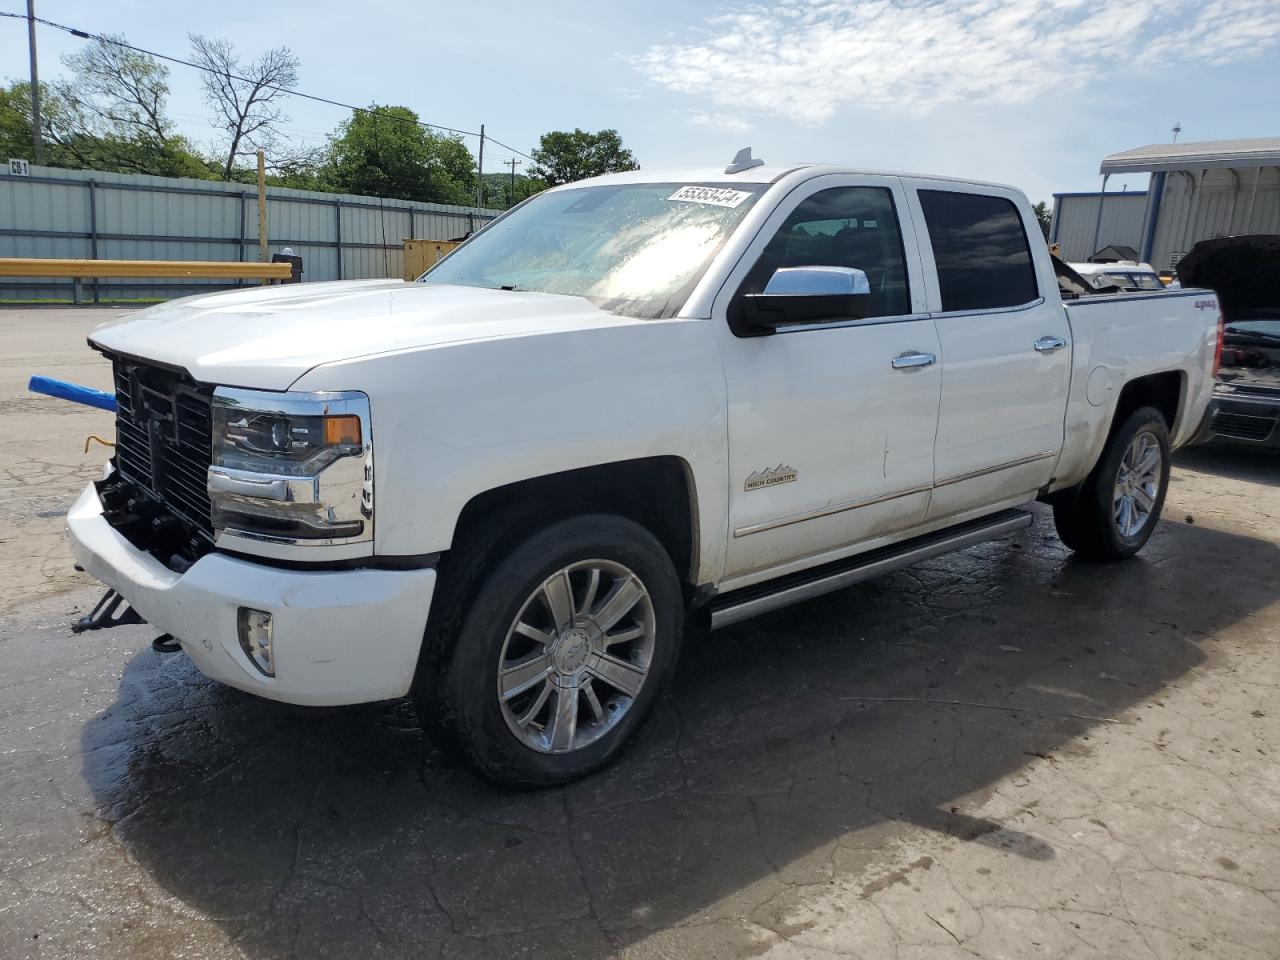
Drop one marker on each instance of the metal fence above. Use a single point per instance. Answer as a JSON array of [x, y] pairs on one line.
[[115, 216]]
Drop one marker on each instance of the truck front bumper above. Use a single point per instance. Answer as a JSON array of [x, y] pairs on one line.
[[339, 636]]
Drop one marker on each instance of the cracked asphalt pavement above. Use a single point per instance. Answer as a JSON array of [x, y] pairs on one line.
[[1000, 754]]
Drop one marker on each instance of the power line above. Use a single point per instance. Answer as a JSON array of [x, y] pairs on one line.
[[86, 35]]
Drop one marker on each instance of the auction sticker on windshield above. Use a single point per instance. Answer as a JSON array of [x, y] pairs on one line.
[[719, 196]]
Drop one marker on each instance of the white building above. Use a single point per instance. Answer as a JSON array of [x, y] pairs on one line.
[[1216, 188]]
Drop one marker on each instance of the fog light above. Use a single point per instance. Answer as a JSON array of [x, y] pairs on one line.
[[255, 638]]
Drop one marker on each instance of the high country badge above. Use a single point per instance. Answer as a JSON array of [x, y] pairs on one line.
[[769, 478]]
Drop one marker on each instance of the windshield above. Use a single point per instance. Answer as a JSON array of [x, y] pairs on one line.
[[634, 249]]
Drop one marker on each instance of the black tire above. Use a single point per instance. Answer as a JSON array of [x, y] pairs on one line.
[[1086, 523], [481, 593]]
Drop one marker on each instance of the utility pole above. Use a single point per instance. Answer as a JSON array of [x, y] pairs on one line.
[[511, 197], [480, 171], [35, 82], [263, 256]]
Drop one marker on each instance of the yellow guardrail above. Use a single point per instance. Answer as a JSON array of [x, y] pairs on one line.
[[201, 269]]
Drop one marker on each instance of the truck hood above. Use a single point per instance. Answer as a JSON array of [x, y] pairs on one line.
[[267, 337]]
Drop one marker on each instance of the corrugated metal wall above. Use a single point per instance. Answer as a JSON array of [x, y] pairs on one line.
[[114, 216], [1230, 202], [1075, 216], [1227, 206]]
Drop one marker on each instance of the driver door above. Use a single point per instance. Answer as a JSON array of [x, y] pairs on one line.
[[831, 424]]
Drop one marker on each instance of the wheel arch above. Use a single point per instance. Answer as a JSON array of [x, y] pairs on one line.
[[659, 493], [1166, 391]]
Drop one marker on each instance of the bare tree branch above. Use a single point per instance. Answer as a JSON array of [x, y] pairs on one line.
[[245, 97]]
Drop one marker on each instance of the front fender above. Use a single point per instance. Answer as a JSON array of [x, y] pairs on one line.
[[453, 421]]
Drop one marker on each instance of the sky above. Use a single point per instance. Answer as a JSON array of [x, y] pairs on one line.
[[1028, 92]]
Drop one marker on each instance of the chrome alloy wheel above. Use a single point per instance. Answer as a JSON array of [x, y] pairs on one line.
[[1137, 484], [576, 656]]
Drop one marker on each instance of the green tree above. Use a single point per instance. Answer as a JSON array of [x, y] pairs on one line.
[[501, 193], [563, 157], [73, 140], [110, 114], [126, 89], [385, 151], [1044, 216], [15, 120]]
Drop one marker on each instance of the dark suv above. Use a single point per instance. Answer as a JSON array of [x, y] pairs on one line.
[[1245, 273]]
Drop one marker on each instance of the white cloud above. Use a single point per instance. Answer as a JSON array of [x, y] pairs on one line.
[[721, 121], [804, 60]]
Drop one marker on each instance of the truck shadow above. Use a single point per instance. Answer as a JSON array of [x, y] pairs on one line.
[[775, 760]]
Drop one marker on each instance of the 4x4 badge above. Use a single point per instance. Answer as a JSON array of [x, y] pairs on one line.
[[769, 478]]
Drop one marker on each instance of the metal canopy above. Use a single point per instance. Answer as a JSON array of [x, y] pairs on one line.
[[1157, 157]]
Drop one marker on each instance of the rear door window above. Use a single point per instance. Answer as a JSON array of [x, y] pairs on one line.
[[980, 249]]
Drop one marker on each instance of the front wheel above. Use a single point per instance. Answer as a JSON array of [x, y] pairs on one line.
[[1117, 507], [559, 655]]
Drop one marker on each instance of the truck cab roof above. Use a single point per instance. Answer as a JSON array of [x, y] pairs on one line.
[[765, 173]]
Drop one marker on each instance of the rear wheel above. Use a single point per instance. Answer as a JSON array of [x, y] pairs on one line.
[[1117, 507], [558, 654]]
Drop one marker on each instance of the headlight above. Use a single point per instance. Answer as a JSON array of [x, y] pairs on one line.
[[294, 468], [288, 444]]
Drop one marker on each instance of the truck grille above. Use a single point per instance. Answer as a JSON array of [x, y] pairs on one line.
[[1243, 427], [164, 430]]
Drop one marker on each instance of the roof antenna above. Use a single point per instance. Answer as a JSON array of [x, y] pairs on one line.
[[742, 160], [1177, 129]]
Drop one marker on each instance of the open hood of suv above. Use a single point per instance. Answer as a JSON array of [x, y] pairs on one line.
[[267, 337], [1243, 271], [1245, 274]]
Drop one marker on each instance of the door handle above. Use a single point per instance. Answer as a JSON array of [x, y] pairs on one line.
[[1049, 344], [907, 360]]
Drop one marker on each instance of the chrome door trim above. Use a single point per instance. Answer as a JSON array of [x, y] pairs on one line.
[[842, 324], [827, 511], [974, 474], [1029, 305]]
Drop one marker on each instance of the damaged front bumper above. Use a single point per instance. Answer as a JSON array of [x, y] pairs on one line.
[[339, 636]]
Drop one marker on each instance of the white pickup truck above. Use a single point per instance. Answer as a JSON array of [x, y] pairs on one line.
[[503, 488]]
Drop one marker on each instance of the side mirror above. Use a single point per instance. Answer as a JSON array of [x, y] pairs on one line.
[[808, 295]]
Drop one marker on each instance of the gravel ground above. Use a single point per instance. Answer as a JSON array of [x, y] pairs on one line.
[[1002, 753]]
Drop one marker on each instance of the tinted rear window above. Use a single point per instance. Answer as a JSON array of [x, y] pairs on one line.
[[980, 250]]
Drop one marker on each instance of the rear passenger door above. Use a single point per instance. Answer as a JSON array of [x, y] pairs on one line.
[[1006, 347]]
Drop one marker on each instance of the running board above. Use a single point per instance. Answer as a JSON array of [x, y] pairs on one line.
[[761, 598]]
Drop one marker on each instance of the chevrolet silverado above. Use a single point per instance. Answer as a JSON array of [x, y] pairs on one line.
[[503, 489]]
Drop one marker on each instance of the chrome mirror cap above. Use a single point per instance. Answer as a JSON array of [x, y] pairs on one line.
[[817, 282]]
